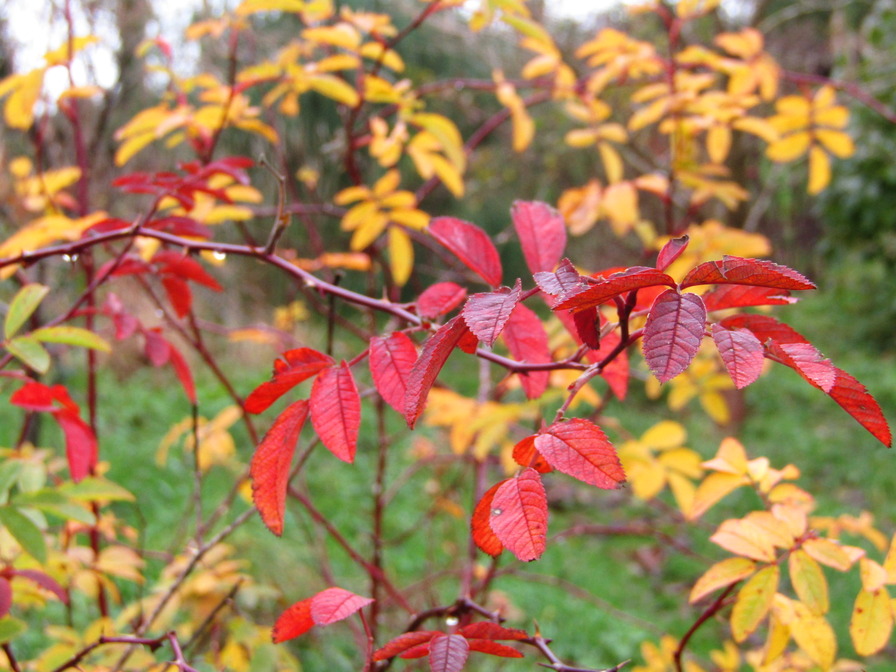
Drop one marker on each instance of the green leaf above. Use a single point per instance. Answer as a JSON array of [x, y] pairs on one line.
[[71, 336], [25, 532], [93, 488], [9, 474], [54, 502], [22, 306], [10, 628], [31, 353]]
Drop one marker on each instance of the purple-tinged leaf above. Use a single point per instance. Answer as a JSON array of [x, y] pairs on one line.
[[562, 283], [741, 271], [542, 234], [448, 653], [493, 648], [673, 333], [670, 252], [603, 290], [487, 313], [741, 352]]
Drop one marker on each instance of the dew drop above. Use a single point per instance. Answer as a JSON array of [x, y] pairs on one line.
[[451, 621], [220, 256]]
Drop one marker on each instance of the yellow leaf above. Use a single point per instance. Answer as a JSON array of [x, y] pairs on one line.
[[445, 131], [377, 52], [721, 574], [664, 435], [873, 575], [774, 531], [808, 581], [612, 162], [776, 642], [683, 491], [335, 88], [620, 204], [718, 143], [819, 170], [401, 255], [814, 635], [252, 6], [871, 622], [828, 553], [449, 174], [789, 148], [714, 488], [758, 127], [341, 35], [523, 128], [837, 143], [743, 537], [368, 231], [731, 458], [23, 90], [753, 602], [890, 561]]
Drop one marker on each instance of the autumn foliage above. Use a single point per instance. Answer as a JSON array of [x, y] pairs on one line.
[[397, 288]]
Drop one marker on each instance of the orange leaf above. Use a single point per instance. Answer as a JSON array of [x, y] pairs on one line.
[[720, 575], [269, 469]]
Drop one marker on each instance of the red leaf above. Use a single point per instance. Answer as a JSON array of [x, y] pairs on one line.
[[527, 341], [441, 298], [404, 642], [297, 365], [489, 630], [741, 352], [34, 396], [542, 234], [5, 597], [580, 448], [175, 264], [525, 455], [179, 294], [293, 622], [765, 328], [334, 604], [416, 651], [855, 400], [435, 353], [519, 515], [603, 290], [44, 581], [183, 373], [80, 444], [336, 411], [156, 347], [741, 271], [806, 360], [448, 653], [487, 313], [670, 252], [562, 283], [673, 333], [471, 245], [586, 322], [391, 360], [741, 296], [483, 535], [180, 226], [493, 648], [270, 465]]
